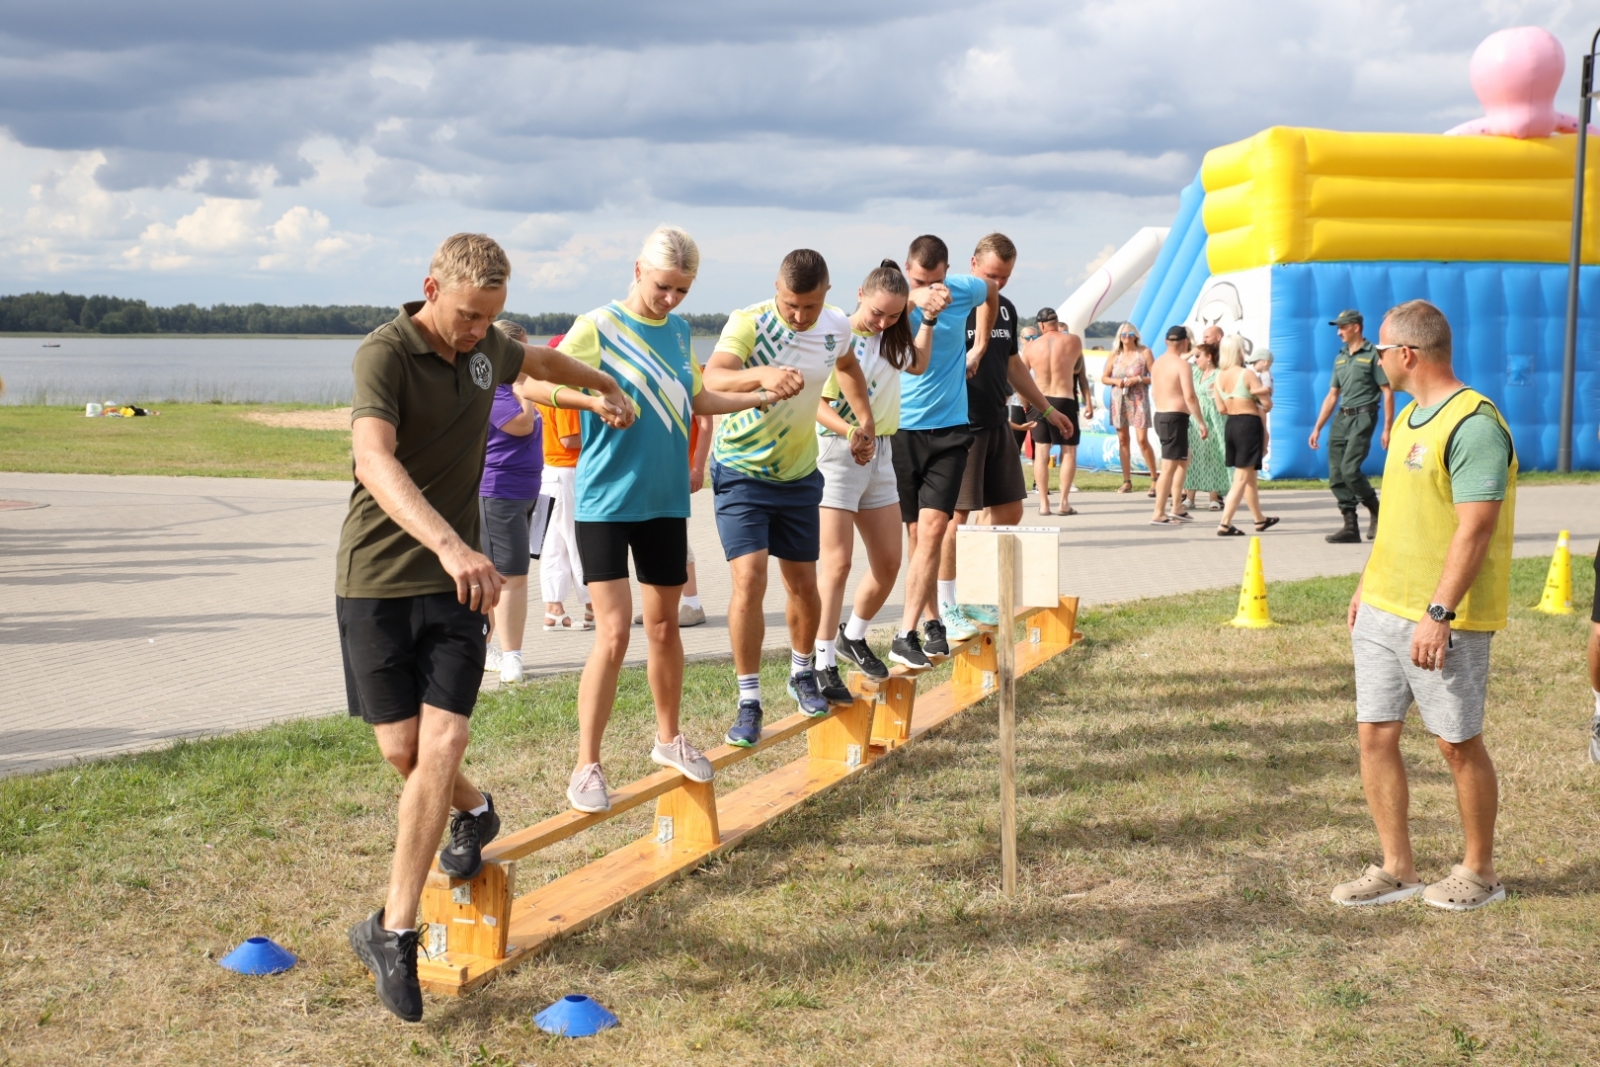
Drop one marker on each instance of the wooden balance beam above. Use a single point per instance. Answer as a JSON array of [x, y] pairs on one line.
[[478, 929]]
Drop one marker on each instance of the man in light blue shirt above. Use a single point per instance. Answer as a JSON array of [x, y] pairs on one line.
[[930, 449]]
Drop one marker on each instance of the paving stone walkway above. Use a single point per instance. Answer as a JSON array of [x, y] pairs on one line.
[[138, 610]]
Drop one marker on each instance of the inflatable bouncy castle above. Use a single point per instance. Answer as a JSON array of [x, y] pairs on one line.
[[1282, 231]]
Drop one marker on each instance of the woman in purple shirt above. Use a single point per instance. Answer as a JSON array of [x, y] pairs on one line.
[[512, 464]]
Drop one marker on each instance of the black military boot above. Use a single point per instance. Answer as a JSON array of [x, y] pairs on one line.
[[1372, 526], [1350, 535]]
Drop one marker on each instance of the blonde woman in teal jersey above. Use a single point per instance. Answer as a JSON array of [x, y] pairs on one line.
[[861, 493], [633, 496]]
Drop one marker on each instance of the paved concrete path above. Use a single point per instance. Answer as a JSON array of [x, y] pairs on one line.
[[137, 610]]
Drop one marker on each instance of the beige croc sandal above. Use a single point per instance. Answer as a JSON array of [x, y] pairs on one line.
[[1376, 886], [1464, 890]]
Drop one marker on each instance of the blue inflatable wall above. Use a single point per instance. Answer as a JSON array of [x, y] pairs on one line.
[[1178, 274], [1508, 321]]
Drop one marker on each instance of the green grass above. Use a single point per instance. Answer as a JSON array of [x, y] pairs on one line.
[[1188, 794], [193, 439]]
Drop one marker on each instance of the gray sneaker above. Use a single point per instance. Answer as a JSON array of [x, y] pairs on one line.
[[1594, 738], [688, 616], [680, 755], [587, 791]]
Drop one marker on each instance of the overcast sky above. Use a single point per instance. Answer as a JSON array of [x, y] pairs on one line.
[[308, 151]]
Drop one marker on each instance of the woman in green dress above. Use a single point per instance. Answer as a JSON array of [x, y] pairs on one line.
[[1207, 472]]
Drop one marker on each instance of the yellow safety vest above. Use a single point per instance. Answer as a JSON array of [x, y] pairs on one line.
[[1418, 520]]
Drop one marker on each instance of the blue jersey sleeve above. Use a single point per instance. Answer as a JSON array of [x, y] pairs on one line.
[[967, 291]]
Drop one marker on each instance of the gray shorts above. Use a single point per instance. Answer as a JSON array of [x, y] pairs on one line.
[[849, 486], [505, 533], [1450, 700]]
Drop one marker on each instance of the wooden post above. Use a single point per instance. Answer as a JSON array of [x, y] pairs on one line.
[[1006, 654]]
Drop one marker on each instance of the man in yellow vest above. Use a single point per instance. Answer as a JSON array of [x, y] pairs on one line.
[[1434, 592]]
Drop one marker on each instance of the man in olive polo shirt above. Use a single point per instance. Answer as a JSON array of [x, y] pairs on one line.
[[1357, 387], [413, 591]]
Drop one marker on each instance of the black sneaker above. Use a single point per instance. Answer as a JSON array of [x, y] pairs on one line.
[[392, 959], [860, 653], [803, 687], [933, 639], [462, 858], [907, 650], [746, 728], [834, 691]]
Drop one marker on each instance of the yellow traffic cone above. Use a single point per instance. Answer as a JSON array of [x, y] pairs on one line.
[[1557, 598], [1253, 592]]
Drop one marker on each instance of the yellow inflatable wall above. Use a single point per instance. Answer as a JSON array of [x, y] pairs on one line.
[[1291, 195]]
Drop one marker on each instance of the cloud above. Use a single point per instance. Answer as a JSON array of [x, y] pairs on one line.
[[222, 229]]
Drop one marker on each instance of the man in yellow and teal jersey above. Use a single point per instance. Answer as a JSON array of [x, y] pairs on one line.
[[764, 479]]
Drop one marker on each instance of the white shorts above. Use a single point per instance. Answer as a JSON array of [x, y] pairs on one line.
[[1450, 700], [850, 486]]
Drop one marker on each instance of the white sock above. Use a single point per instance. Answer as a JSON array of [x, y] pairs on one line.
[[902, 633], [947, 592], [481, 808], [856, 628], [693, 601], [515, 654], [798, 662], [825, 655], [750, 687]]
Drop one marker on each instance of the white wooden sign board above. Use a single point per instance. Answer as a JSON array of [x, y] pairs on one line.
[[1038, 552]]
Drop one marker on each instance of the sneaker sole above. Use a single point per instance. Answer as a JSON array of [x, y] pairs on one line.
[[864, 669], [895, 657], [587, 811], [810, 713], [1391, 897], [1445, 905], [686, 772], [738, 744], [463, 877]]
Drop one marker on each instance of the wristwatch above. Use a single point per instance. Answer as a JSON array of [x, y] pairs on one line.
[[1440, 613]]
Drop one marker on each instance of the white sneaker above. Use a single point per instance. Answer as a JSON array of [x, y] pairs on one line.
[[680, 755], [587, 791], [511, 667]]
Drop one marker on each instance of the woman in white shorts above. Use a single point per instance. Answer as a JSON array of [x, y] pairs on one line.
[[860, 495]]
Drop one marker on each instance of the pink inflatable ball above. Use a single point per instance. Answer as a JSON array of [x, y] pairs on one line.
[[1516, 74]]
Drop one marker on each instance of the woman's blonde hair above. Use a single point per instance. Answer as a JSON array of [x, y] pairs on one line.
[[1233, 352], [512, 329], [669, 248], [1118, 347]]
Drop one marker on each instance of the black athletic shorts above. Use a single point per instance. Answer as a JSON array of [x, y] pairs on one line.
[[929, 466], [1243, 442], [994, 471], [1019, 415], [1046, 434], [505, 533], [660, 550], [403, 652], [1172, 429], [1594, 614]]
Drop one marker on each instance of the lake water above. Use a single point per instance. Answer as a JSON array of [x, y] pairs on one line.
[[134, 370]]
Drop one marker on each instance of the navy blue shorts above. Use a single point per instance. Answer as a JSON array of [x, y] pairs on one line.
[[754, 515]]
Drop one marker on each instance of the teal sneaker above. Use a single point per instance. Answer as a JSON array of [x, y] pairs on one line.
[[981, 614], [957, 627]]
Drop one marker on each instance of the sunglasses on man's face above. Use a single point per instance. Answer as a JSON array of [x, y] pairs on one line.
[[1385, 348]]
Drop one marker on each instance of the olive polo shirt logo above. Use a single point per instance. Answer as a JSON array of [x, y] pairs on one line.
[[481, 370]]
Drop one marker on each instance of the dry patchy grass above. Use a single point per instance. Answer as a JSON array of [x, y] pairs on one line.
[[1188, 796]]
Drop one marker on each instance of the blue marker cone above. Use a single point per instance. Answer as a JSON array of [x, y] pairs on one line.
[[574, 1016], [259, 955]]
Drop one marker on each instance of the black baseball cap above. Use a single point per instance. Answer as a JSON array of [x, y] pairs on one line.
[[1177, 333], [1046, 315]]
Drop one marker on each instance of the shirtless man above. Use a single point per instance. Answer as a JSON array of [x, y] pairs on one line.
[[1055, 359], [1172, 391]]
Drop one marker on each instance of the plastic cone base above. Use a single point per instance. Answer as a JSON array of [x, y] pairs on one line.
[[574, 1015], [259, 955]]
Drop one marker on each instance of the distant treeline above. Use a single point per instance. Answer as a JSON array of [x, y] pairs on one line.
[[71, 313]]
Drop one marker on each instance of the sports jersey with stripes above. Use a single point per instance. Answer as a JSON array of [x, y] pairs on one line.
[[883, 386]]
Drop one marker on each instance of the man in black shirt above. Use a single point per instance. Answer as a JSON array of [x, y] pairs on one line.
[[993, 480]]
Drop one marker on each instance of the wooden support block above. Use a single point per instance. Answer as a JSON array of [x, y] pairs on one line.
[[976, 663], [846, 736], [894, 698], [468, 918], [1055, 626], [688, 815]]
